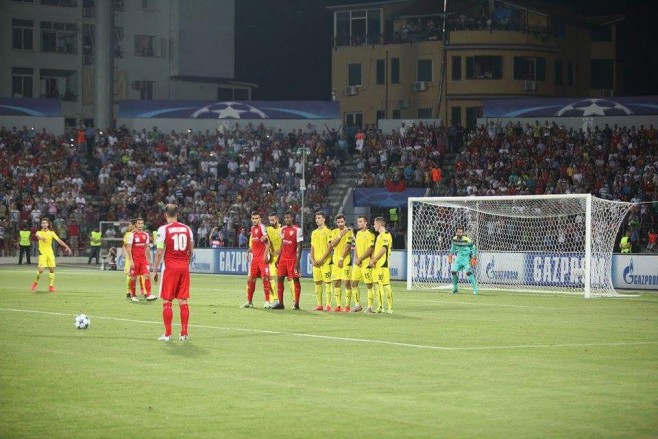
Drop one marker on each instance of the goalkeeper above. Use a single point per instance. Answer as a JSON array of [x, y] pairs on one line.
[[463, 247]]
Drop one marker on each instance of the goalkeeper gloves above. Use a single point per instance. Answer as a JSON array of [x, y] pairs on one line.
[[474, 262]]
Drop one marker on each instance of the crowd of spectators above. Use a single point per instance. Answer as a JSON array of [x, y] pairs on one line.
[[614, 163], [217, 178], [411, 156]]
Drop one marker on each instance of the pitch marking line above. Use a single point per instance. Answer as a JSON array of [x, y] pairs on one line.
[[355, 340]]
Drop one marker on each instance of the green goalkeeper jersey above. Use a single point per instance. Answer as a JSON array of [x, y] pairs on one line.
[[463, 248]]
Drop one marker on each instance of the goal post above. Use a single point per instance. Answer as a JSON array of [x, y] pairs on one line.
[[533, 243]]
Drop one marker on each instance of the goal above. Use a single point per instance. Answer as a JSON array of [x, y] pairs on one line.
[[540, 243], [112, 232]]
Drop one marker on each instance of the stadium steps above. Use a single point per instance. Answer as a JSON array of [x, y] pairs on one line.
[[346, 179]]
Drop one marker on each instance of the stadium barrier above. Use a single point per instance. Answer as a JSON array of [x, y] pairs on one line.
[[630, 271]]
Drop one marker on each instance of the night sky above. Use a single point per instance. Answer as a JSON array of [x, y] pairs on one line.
[[287, 50]]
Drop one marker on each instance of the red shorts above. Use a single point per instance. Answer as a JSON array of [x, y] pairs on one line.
[[259, 268], [175, 283], [140, 268], [286, 267]]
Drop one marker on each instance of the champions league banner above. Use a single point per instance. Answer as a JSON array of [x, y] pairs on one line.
[[571, 107], [30, 107], [229, 110]]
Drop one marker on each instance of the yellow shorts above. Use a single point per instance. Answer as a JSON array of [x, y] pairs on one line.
[[273, 271], [47, 261], [322, 273], [382, 275], [361, 274], [126, 266], [338, 273]]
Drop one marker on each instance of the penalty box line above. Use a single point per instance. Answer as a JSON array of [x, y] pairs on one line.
[[350, 339]]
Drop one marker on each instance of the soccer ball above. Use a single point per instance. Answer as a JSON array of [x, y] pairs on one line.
[[82, 321]]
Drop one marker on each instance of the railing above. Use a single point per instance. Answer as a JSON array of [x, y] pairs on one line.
[[410, 35]]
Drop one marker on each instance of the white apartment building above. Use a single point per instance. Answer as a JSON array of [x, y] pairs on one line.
[[160, 50]]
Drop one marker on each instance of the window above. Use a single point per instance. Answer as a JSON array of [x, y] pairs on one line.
[[456, 68], [472, 114], [358, 27], [397, 114], [381, 114], [354, 119], [558, 72], [65, 3], [602, 74], [381, 72], [601, 33], [528, 68], [59, 37], [570, 74], [146, 90], [424, 113], [144, 45], [484, 67], [354, 74], [22, 80], [56, 83], [395, 70], [22, 34], [424, 72]]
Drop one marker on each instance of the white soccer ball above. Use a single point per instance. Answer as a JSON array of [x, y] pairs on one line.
[[82, 321]]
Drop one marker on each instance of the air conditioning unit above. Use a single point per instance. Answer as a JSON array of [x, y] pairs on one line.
[[137, 85], [607, 93], [529, 85], [404, 104], [352, 90], [420, 86]]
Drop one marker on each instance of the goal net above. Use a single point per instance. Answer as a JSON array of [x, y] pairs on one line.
[[542, 243], [112, 232]]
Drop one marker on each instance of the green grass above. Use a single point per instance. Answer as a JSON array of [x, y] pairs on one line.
[[495, 365]]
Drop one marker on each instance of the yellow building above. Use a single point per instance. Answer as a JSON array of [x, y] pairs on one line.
[[408, 59]]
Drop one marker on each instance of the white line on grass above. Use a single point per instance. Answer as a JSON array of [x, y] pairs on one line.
[[356, 340]]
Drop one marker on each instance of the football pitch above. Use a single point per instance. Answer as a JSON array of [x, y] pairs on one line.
[[496, 365]]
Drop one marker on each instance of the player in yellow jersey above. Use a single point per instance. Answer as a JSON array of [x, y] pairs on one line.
[[380, 261], [342, 238], [274, 235], [365, 244], [46, 253], [126, 255], [319, 257]]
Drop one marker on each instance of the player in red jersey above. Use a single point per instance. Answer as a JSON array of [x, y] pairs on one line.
[[259, 267], [140, 259], [175, 244], [291, 251]]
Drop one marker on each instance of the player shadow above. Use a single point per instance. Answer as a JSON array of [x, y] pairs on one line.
[[184, 349]]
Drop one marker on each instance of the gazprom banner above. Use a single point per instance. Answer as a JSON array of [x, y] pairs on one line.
[[635, 272], [234, 261], [542, 269]]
